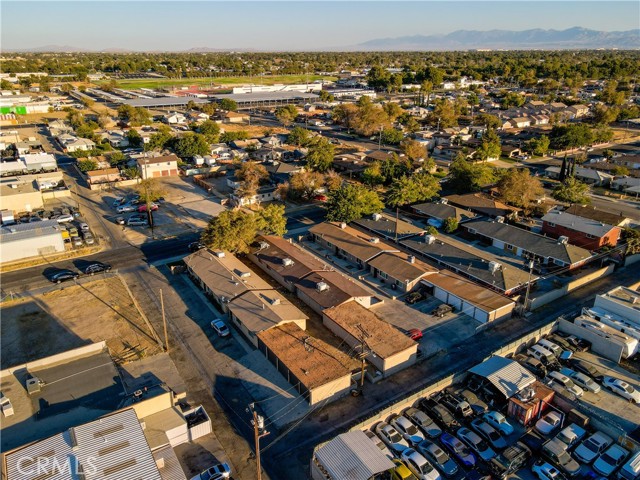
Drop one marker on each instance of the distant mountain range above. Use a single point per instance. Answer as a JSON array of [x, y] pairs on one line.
[[571, 38]]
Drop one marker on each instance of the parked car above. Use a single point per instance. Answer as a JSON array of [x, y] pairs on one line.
[[532, 440], [390, 436], [220, 327], [557, 453], [545, 471], [77, 241], [549, 422], [612, 459], [510, 461], [419, 465], [499, 422], [97, 267], [195, 246], [73, 231], [459, 450], [454, 404], [475, 443], [137, 221], [63, 275], [401, 471], [586, 368], [631, 469], [217, 472], [88, 238], [562, 342], [438, 457], [564, 382], [143, 208], [593, 446], [64, 218], [580, 344], [439, 413], [379, 443], [415, 334], [582, 380], [118, 201], [489, 433], [534, 365], [126, 208], [571, 435], [442, 310], [478, 406], [120, 220], [84, 227], [621, 388], [423, 421], [407, 429]]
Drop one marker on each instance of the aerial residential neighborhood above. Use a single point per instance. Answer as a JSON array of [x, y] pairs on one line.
[[400, 258]]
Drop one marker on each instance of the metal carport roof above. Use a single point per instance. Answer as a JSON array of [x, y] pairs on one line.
[[508, 376]]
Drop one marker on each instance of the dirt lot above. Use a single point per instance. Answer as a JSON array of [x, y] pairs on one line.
[[72, 316], [254, 131]]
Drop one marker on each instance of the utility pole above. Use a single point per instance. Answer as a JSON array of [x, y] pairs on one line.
[[364, 351], [164, 322], [526, 297], [258, 433], [380, 139]]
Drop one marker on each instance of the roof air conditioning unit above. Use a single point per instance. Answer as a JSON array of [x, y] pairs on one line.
[[322, 286], [274, 301], [33, 385], [494, 267], [219, 254], [430, 239], [444, 201], [374, 240], [500, 219], [287, 262], [343, 225], [563, 240], [411, 259], [376, 216], [244, 274], [263, 245]]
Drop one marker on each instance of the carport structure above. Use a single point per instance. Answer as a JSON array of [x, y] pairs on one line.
[[507, 376]]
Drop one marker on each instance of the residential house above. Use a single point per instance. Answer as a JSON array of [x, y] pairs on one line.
[[74, 144], [252, 143], [539, 119], [318, 371], [510, 151], [174, 118], [388, 349], [351, 164], [632, 162], [105, 175], [221, 151], [625, 183], [280, 171], [28, 146], [386, 226], [438, 212], [399, 271], [578, 111], [523, 243], [583, 232], [271, 141], [236, 117], [154, 167], [517, 122], [378, 156], [116, 138], [602, 216], [585, 175], [557, 106], [265, 193], [481, 204]]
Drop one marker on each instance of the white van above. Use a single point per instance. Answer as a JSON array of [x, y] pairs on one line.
[[552, 347], [540, 353], [566, 382], [631, 469]]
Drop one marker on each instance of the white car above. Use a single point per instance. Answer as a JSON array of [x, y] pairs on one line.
[[476, 443], [585, 382], [622, 388], [499, 422], [549, 422], [217, 472], [546, 471], [423, 421], [610, 460], [84, 227], [593, 446], [383, 448], [64, 218], [419, 465], [407, 429], [390, 436], [220, 327], [126, 208]]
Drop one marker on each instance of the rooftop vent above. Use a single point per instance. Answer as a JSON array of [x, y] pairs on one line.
[[411, 259], [33, 385], [563, 240], [376, 216], [494, 267], [444, 201], [430, 239], [322, 286], [274, 301], [343, 225], [287, 262], [244, 274], [500, 219], [374, 240], [219, 254], [263, 245]]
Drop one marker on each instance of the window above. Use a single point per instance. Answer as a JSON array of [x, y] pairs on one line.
[[551, 224], [590, 236], [383, 275], [472, 231], [329, 244], [559, 262], [509, 247]]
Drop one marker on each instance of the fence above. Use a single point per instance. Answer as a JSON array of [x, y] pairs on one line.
[[569, 287]]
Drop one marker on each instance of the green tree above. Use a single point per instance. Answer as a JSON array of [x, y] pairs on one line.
[[571, 136], [271, 220], [227, 137], [326, 96], [392, 136], [605, 115], [512, 99], [320, 156], [539, 146], [488, 120], [372, 175], [158, 141], [232, 230], [450, 224], [412, 125], [490, 146], [190, 144], [86, 130], [444, 114], [135, 140], [572, 191], [332, 180], [620, 171], [299, 136], [378, 77], [304, 185], [211, 131], [117, 157], [466, 177], [228, 105], [517, 187], [150, 190], [286, 114], [351, 202], [393, 110], [602, 134], [87, 165], [132, 172], [413, 149]]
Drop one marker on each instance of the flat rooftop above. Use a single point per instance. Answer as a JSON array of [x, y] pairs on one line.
[[241, 98], [79, 389], [163, 102]]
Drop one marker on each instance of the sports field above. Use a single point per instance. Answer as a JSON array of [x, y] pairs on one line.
[[218, 81]]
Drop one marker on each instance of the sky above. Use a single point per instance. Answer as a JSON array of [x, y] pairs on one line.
[[284, 25]]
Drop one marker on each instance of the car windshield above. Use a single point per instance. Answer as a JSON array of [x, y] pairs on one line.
[[426, 421], [608, 459], [482, 446], [569, 383], [493, 435], [440, 456], [564, 458], [564, 438], [460, 448], [395, 436], [426, 468], [498, 417], [591, 445], [412, 430], [628, 388]]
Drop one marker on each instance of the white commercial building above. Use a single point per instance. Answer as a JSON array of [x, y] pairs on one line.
[[304, 87], [26, 240]]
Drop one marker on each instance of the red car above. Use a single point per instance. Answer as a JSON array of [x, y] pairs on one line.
[[321, 198], [143, 207], [415, 334]]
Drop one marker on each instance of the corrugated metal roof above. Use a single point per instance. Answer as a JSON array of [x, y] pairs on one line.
[[21, 231], [507, 376], [352, 456], [171, 469], [110, 448]]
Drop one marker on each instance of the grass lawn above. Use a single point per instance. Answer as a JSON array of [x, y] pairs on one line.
[[217, 81]]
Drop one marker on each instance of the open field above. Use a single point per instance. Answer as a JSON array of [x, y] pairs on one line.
[[72, 316], [216, 81]]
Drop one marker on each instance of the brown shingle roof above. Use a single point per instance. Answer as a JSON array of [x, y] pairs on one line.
[[598, 215], [162, 159], [481, 204], [259, 310], [384, 339], [340, 288], [312, 361], [469, 291], [350, 240], [398, 266]]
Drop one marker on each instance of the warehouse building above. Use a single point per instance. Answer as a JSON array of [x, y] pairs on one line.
[[26, 240]]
